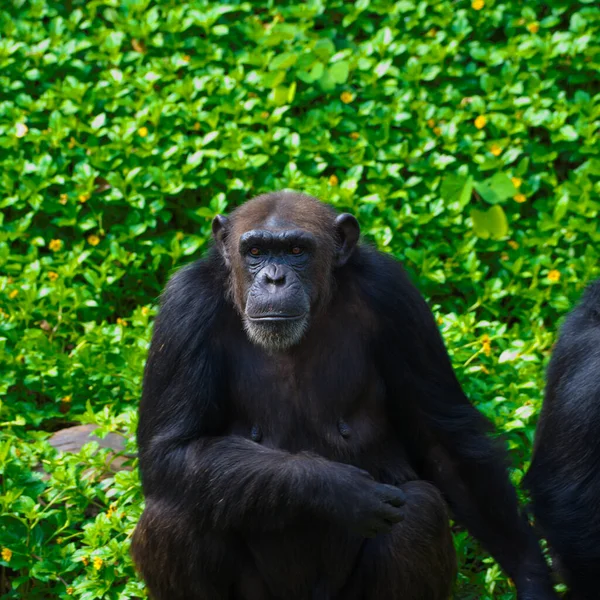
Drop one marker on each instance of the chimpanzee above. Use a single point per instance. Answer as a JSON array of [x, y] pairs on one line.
[[564, 477], [300, 421]]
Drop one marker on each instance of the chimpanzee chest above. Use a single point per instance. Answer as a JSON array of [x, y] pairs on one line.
[[330, 401]]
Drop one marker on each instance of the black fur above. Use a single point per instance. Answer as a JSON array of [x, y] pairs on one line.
[[564, 478], [267, 475]]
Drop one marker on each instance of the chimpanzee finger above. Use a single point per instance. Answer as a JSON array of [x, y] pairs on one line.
[[390, 514], [392, 495]]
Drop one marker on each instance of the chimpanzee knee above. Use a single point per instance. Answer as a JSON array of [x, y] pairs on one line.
[[178, 562], [401, 565]]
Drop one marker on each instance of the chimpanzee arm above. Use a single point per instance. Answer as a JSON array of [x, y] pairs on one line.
[[188, 460], [448, 439]]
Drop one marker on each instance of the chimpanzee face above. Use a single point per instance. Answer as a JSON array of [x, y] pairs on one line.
[[279, 271], [281, 264]]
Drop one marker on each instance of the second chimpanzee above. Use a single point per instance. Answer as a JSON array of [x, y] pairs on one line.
[[299, 415], [564, 477]]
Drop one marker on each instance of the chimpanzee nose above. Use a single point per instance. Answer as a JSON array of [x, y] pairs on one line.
[[274, 275]]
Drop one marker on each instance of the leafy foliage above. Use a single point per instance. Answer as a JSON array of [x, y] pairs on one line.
[[463, 135]]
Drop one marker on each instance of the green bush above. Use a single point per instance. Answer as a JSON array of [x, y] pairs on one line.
[[463, 136]]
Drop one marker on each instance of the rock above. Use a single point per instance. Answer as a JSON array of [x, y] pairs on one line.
[[72, 439]]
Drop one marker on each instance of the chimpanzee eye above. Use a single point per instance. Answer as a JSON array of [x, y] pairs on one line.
[[296, 250], [255, 251]]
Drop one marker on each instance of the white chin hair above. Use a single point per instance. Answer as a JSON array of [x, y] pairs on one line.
[[276, 336]]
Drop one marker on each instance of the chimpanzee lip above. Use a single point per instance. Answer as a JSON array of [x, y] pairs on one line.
[[276, 317]]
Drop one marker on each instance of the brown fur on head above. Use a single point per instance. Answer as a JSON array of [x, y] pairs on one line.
[[334, 239]]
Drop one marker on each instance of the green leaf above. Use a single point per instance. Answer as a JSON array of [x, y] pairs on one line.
[[561, 207], [98, 121], [339, 72], [283, 61], [284, 94], [491, 223], [496, 189], [316, 72], [457, 189]]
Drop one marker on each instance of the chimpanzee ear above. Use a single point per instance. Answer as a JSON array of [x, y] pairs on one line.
[[220, 229], [347, 231]]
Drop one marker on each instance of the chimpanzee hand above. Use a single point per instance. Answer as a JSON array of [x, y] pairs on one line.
[[365, 506]]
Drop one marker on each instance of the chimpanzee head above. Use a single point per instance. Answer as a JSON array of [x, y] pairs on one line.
[[281, 250]]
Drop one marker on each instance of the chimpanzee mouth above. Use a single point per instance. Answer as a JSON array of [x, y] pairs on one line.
[[273, 318]]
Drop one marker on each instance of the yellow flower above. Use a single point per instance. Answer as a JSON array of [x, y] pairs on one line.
[[496, 150], [72, 142], [514, 245], [21, 130], [431, 123], [145, 311], [264, 115], [477, 4], [346, 97], [6, 554], [554, 275], [516, 181], [63, 198], [98, 563], [196, 126], [85, 561], [480, 122], [55, 245], [440, 321], [138, 46], [121, 322], [533, 27], [520, 198], [333, 180], [179, 236], [83, 198], [355, 135], [70, 591], [186, 58], [67, 399], [52, 275], [93, 240], [437, 130], [13, 294], [486, 344], [143, 131]]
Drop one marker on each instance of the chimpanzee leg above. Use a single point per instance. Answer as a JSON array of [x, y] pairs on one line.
[[310, 560], [584, 583], [180, 563], [567, 516], [580, 573], [416, 561]]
